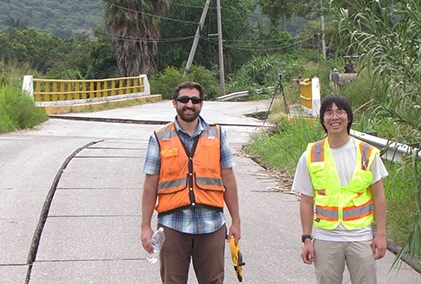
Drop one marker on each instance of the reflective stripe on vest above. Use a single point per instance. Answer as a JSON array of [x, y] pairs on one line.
[[329, 211], [318, 151]]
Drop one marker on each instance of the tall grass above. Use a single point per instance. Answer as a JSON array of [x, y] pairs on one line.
[[283, 149], [17, 110], [399, 189]]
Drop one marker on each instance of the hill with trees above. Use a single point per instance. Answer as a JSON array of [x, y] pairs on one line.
[[57, 17]]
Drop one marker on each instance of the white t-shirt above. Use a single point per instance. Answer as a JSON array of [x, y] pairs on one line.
[[345, 160]]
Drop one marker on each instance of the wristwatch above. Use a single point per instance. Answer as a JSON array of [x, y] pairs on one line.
[[304, 237]]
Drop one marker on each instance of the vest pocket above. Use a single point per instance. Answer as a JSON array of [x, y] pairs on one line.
[[209, 184], [360, 181], [318, 174], [360, 199], [322, 200], [169, 157]]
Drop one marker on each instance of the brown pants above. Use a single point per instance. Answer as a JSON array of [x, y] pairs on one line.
[[206, 250]]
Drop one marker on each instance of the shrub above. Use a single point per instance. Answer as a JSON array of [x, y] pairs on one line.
[[166, 81], [17, 110]]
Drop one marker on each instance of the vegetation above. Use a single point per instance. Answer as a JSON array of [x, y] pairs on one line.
[[177, 34], [17, 110], [62, 18], [134, 26]]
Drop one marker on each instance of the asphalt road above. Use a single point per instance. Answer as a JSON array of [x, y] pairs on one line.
[[70, 202]]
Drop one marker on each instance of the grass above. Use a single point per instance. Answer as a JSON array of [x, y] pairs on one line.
[[283, 149], [17, 110], [400, 191]]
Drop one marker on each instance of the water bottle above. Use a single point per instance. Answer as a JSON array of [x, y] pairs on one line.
[[157, 241]]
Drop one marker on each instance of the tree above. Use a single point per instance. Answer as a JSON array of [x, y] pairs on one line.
[[178, 35], [18, 23], [134, 28], [284, 9]]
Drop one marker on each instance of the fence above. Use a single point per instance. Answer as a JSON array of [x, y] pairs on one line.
[[53, 92]]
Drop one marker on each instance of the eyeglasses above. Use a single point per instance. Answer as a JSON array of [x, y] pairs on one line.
[[186, 99], [339, 112]]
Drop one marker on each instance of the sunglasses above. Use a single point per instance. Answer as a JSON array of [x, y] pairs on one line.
[[186, 99]]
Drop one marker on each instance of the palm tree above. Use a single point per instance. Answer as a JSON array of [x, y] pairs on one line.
[[18, 23], [134, 28]]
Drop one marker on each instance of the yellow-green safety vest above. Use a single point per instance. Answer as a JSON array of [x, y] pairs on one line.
[[351, 204]]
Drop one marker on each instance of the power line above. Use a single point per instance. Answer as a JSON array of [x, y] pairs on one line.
[[151, 15], [259, 47], [132, 38]]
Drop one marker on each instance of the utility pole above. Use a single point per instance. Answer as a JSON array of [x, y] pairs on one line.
[[323, 36], [220, 48], [196, 37]]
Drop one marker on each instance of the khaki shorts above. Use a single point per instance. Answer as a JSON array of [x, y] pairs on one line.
[[330, 259]]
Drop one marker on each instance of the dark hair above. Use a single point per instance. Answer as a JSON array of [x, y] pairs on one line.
[[189, 85], [342, 103]]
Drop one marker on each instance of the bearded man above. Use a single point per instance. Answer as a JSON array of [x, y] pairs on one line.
[[189, 169]]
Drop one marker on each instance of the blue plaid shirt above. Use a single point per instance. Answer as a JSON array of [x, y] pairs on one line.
[[192, 220]]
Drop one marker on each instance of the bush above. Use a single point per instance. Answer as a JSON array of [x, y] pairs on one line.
[[263, 71], [166, 81], [17, 110]]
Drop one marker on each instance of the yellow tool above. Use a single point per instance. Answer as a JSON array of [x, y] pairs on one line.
[[237, 259]]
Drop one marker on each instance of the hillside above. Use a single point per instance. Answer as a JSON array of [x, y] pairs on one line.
[[59, 17], [66, 17]]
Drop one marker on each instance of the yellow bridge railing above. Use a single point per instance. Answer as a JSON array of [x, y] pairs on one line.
[[51, 90], [306, 93], [310, 96]]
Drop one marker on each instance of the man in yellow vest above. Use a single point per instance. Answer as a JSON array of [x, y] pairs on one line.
[[189, 169], [340, 178]]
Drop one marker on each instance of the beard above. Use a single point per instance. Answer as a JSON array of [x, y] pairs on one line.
[[188, 117]]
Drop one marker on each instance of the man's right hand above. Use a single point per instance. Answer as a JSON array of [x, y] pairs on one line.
[[146, 236], [308, 252]]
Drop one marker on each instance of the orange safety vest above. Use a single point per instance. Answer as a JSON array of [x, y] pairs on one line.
[[189, 180], [351, 204]]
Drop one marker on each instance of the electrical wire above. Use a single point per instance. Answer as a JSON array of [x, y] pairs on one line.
[[151, 15]]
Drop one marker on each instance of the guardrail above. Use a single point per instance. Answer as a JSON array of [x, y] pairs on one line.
[[51, 91], [233, 96], [243, 94], [310, 96], [395, 151]]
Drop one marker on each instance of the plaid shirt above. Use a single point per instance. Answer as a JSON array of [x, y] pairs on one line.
[[192, 220]]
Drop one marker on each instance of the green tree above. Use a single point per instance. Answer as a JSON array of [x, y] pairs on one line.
[[18, 23], [177, 36], [134, 29], [285, 9]]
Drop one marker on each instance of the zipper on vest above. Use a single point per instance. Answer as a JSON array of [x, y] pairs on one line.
[[190, 178]]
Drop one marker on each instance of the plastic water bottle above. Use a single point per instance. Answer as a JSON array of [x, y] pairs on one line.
[[157, 241]]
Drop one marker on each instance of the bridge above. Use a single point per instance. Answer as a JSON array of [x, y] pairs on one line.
[[63, 96]]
